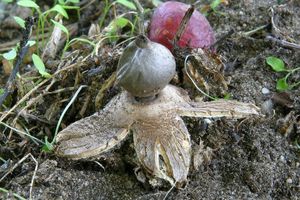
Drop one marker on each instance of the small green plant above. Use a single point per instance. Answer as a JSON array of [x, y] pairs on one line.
[[126, 3], [38, 63], [82, 40], [108, 6], [59, 8], [49, 146], [278, 66], [20, 21], [1, 91], [117, 24], [214, 4], [11, 55]]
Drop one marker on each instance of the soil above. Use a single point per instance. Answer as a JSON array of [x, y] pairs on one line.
[[251, 159]]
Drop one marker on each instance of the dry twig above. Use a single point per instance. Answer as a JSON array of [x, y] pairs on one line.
[[23, 50], [283, 43], [185, 20]]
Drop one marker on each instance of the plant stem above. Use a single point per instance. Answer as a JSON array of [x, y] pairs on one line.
[[64, 112], [14, 194], [21, 53], [140, 10], [23, 133], [106, 9]]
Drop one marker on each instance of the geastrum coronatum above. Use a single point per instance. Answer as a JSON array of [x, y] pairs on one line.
[[151, 110]]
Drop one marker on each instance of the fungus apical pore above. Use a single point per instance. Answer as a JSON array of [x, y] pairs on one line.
[[166, 20]]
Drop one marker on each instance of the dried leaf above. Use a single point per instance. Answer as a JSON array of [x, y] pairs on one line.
[[206, 69], [53, 43], [94, 30]]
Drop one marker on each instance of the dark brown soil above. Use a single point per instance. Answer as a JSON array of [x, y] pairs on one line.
[[251, 158]]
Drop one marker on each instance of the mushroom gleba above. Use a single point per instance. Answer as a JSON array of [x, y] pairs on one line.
[[151, 110]]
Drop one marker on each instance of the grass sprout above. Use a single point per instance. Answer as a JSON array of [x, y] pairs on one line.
[[278, 65]]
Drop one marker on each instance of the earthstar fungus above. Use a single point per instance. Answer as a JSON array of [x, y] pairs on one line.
[[151, 110], [161, 139]]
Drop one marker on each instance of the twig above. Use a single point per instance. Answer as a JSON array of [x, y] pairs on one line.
[[283, 43], [222, 38], [23, 50], [23, 133], [34, 173], [188, 14], [85, 4], [23, 99], [275, 27], [35, 88], [169, 191], [33, 176], [60, 90], [14, 194], [249, 33], [8, 45], [105, 86], [273, 22], [98, 163]]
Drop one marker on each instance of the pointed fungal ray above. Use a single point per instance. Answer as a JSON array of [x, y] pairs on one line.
[[177, 100], [163, 147], [97, 133], [218, 108]]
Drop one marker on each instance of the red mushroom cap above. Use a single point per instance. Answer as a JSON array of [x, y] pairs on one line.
[[165, 22]]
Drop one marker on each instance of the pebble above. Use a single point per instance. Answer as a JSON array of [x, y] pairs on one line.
[[289, 181], [208, 121], [282, 158], [265, 90], [267, 107]]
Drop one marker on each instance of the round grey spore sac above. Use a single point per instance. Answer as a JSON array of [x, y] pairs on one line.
[[145, 67]]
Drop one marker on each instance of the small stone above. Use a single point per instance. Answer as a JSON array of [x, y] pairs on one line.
[[289, 181], [282, 158], [208, 121], [267, 107], [265, 90]]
